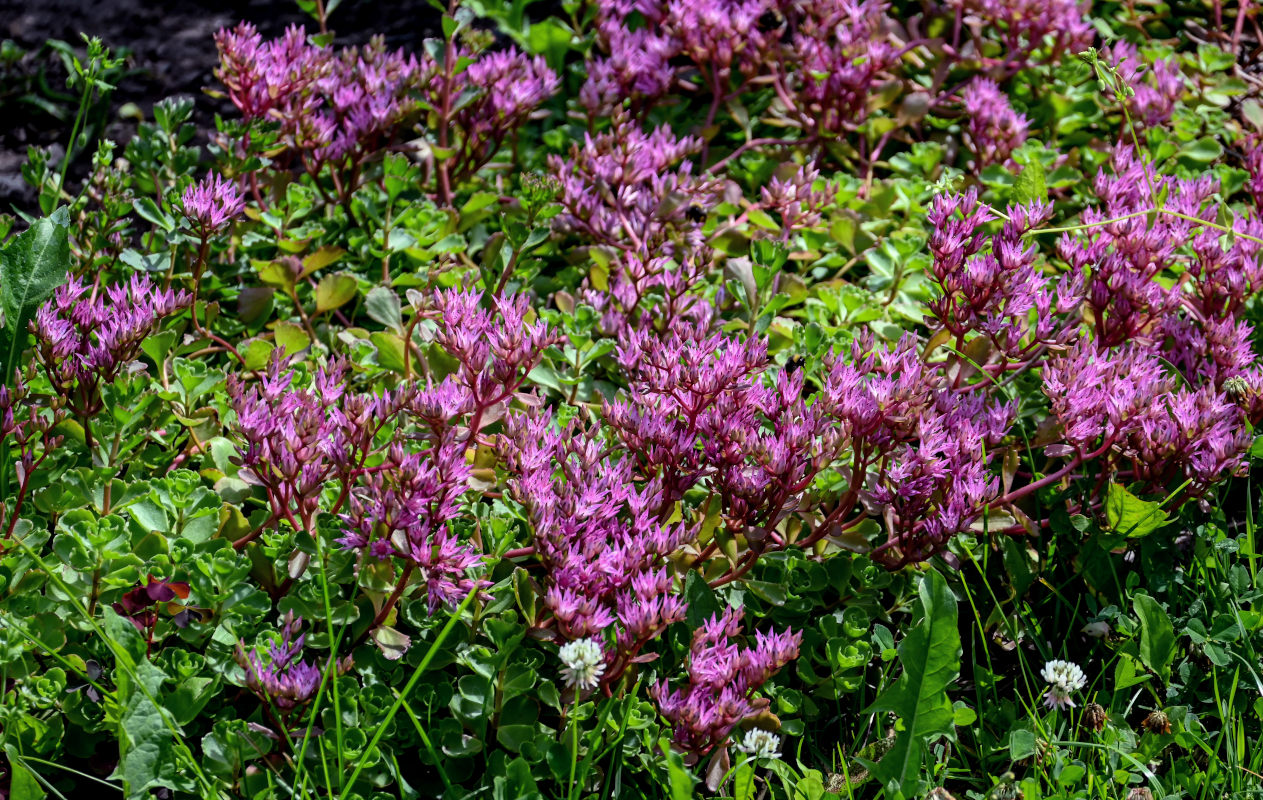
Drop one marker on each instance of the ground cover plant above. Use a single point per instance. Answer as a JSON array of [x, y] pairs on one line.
[[729, 398]]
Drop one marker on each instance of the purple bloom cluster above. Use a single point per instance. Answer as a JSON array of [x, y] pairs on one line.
[[508, 87], [822, 57], [600, 536], [1033, 31], [722, 677], [1155, 87], [920, 447], [631, 192], [1106, 335], [332, 106], [87, 336], [402, 509], [994, 130], [212, 203], [837, 54], [993, 286], [278, 677], [497, 348], [293, 441]]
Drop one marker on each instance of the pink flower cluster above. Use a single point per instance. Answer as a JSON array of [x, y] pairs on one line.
[[86, 335], [1139, 370], [722, 676], [993, 129]]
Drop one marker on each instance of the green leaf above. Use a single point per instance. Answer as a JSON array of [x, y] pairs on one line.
[[1031, 184], [383, 306], [145, 743], [1203, 151], [679, 780], [1131, 516], [334, 291], [930, 656], [291, 337], [390, 350], [31, 267], [23, 785], [1157, 636]]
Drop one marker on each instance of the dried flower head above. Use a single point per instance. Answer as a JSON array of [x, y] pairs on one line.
[[1157, 723], [1094, 716]]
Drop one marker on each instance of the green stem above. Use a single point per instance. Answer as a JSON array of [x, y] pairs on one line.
[[384, 725]]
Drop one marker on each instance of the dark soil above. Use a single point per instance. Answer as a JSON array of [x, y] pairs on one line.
[[171, 53]]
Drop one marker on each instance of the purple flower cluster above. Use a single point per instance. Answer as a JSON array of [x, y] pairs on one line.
[[1155, 87], [722, 677], [993, 286], [600, 536], [994, 130], [822, 57], [87, 336], [698, 408], [837, 55], [1032, 31], [1107, 334], [294, 441], [212, 203], [333, 107], [278, 677], [920, 447], [631, 192], [403, 508], [497, 349], [507, 85]]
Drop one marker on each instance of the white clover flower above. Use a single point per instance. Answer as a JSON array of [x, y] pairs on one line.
[[585, 661], [759, 743], [1064, 679]]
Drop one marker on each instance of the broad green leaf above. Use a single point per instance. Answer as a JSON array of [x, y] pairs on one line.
[[23, 785], [680, 781], [1031, 185], [334, 291], [930, 656], [291, 337], [1131, 516], [31, 267], [1157, 636], [145, 742], [321, 259], [383, 306], [390, 350]]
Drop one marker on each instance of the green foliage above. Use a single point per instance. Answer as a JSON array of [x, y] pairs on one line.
[[930, 657]]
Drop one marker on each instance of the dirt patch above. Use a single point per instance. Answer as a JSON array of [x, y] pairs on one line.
[[171, 53]]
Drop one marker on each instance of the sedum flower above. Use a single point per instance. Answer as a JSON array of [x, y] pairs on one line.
[[1064, 679], [278, 676], [722, 679], [994, 129], [584, 661], [212, 203], [758, 743]]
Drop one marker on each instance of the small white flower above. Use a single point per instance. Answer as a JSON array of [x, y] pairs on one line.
[[759, 743], [585, 661], [1097, 630], [1064, 679]]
